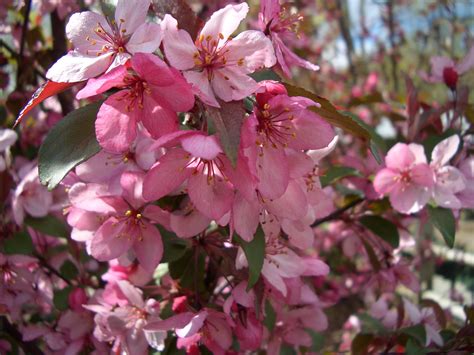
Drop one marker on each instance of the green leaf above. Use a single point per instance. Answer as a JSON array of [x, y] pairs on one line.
[[412, 348], [265, 75], [337, 173], [69, 270], [70, 142], [383, 228], [20, 243], [377, 144], [417, 332], [443, 220], [49, 225], [373, 259], [174, 247], [189, 270], [329, 113], [270, 316], [318, 341], [361, 343], [255, 254], [367, 99], [226, 122], [371, 324], [60, 298]]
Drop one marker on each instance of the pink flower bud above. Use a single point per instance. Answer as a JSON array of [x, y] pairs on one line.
[[77, 298]]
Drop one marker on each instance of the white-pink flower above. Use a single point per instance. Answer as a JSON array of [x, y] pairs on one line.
[[445, 70], [101, 44], [407, 179], [216, 64], [448, 180]]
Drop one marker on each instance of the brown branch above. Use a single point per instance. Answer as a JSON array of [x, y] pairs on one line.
[[58, 27], [24, 32], [29, 347], [336, 214]]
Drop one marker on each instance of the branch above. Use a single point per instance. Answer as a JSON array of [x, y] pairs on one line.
[[24, 31], [52, 270], [336, 214], [29, 347]]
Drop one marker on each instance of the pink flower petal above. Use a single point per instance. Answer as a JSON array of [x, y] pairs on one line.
[[445, 150], [167, 175], [201, 146], [146, 39], [399, 157], [74, 67], [149, 250], [272, 171], [113, 78], [245, 216], [224, 22], [254, 48], [152, 69], [131, 14], [108, 242], [178, 44], [213, 199], [115, 127]]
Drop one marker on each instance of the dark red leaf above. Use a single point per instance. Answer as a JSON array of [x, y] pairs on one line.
[[48, 89]]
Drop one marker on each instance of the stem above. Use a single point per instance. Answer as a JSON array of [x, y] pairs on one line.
[[52, 270], [336, 214], [23, 41], [59, 49], [29, 347]]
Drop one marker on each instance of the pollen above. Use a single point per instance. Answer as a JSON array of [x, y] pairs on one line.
[[221, 36], [128, 213]]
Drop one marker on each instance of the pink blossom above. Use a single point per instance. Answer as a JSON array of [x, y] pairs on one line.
[[63, 7], [125, 223], [202, 164], [123, 325], [427, 318], [445, 70], [216, 65], [31, 197], [107, 168], [101, 44], [279, 123], [8, 137], [466, 196], [209, 326], [151, 93], [281, 26], [448, 180], [280, 262], [407, 179]]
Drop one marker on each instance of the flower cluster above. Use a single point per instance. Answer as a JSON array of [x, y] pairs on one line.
[[190, 199]]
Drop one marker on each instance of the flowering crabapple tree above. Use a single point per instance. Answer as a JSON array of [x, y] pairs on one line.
[[169, 187]]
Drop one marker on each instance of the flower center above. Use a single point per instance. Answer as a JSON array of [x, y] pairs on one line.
[[214, 169], [136, 89], [211, 56], [115, 39], [274, 126]]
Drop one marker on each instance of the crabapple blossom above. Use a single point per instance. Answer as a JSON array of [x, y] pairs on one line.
[[101, 44], [216, 64], [276, 21], [171, 198], [445, 70], [151, 93], [407, 178]]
